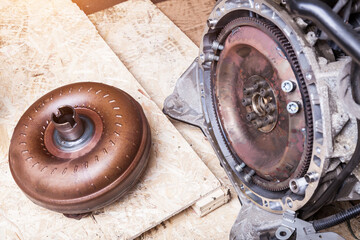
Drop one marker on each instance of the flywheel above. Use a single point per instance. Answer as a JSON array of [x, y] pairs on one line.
[[262, 103]]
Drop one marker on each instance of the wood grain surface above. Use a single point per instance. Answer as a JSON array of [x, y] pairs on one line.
[[157, 52]]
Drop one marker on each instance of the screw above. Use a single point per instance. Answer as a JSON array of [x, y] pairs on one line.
[[269, 119], [211, 23], [311, 177], [246, 102], [209, 57], [248, 91], [258, 123], [217, 46], [270, 108], [264, 92], [357, 188], [240, 168], [308, 76], [287, 86], [202, 57], [259, 84], [293, 107], [251, 116], [249, 175]]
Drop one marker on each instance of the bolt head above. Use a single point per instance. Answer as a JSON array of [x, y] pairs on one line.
[[293, 107], [202, 57], [308, 76], [287, 86], [211, 23], [357, 188]]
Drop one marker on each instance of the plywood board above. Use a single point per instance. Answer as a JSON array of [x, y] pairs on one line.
[[156, 52], [187, 225], [45, 44]]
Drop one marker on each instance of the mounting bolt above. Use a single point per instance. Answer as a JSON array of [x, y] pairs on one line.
[[264, 92], [240, 168], [357, 188], [311, 177], [210, 57], [248, 91], [293, 107], [202, 57], [308, 76], [270, 108], [249, 176], [251, 116], [211, 23], [217, 46], [259, 84], [246, 102], [269, 119], [287, 86], [298, 186], [258, 123]]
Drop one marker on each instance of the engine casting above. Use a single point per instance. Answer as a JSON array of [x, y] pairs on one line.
[[272, 89]]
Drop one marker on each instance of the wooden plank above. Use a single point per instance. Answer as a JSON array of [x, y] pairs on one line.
[[212, 201], [49, 43], [187, 225], [91, 6], [156, 52], [153, 46]]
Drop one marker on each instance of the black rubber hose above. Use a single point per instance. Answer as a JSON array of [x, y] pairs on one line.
[[337, 218], [331, 23]]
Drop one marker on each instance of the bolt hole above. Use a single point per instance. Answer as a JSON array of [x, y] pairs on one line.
[[294, 185], [289, 203], [283, 233]]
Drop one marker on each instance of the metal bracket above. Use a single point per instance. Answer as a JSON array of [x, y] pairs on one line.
[[303, 230], [184, 103]]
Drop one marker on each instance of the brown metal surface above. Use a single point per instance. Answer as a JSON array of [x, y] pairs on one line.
[[277, 153], [51, 147], [97, 173], [68, 123]]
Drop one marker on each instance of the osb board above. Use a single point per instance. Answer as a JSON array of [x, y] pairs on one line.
[[189, 15], [45, 44], [156, 52], [215, 226]]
